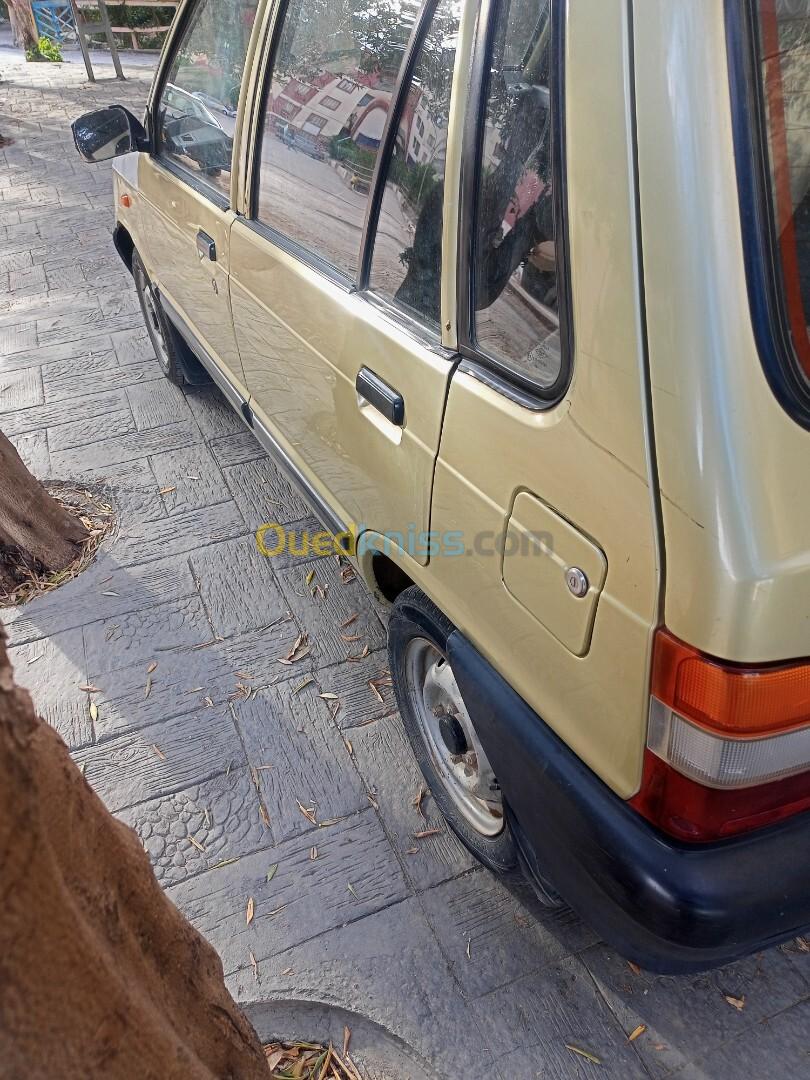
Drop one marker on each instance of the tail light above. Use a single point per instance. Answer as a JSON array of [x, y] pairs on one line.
[[728, 745]]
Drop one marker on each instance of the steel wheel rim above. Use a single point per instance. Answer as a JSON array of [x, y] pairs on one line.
[[467, 776]]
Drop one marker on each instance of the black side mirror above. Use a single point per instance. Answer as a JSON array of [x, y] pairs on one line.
[[108, 133]]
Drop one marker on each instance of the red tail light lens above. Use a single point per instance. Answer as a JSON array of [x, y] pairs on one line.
[[728, 746]]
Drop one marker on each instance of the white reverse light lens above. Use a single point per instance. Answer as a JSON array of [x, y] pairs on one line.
[[720, 762]]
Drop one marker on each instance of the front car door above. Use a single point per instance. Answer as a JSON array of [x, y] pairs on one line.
[[337, 262], [187, 179]]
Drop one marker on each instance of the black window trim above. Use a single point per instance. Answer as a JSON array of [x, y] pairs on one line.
[[194, 181], [423, 332], [490, 369], [763, 269]]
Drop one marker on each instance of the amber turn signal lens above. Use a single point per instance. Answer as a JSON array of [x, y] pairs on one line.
[[734, 698], [125, 200]]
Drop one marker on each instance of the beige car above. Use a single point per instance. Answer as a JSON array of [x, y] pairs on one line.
[[517, 293]]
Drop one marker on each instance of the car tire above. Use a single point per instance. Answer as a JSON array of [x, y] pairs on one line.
[[441, 733], [161, 333]]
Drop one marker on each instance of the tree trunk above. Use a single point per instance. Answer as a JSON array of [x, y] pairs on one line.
[[23, 27], [101, 977], [36, 532]]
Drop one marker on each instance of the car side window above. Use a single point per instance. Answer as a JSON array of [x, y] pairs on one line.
[[196, 110], [514, 239], [326, 102], [407, 261]]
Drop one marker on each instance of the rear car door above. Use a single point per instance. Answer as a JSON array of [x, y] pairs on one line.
[[187, 177], [545, 461], [336, 265]]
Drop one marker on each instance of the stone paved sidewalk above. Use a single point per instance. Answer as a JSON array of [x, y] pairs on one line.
[[420, 952]]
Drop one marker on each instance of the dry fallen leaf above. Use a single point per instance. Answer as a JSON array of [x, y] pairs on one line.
[[151, 667], [148, 689], [347, 1034], [196, 844], [583, 1053], [372, 687], [329, 697], [88, 688], [636, 1032], [737, 1002], [310, 577], [254, 965], [313, 853], [426, 832], [350, 620], [93, 711], [271, 873], [167, 490], [351, 889], [158, 752], [469, 948], [634, 967], [249, 911], [297, 689], [307, 811]]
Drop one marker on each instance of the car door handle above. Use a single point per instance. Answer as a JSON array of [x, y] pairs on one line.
[[381, 396], [206, 248]]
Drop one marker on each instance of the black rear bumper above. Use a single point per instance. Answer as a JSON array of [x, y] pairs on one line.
[[669, 906]]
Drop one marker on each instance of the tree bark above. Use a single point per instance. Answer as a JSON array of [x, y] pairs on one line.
[[36, 532], [101, 977], [23, 27]]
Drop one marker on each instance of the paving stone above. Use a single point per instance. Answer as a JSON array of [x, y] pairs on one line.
[[102, 591], [389, 770], [144, 541], [283, 545], [509, 933], [299, 756], [161, 759], [16, 260], [157, 403], [264, 494], [83, 433], [125, 448], [30, 277], [304, 898], [145, 634], [213, 413], [189, 479], [20, 389], [16, 336], [237, 585], [91, 408], [779, 1047], [33, 449], [97, 372], [235, 449], [187, 677], [221, 814], [80, 351], [52, 670], [349, 679], [689, 1015], [131, 489], [386, 967], [132, 346], [528, 1023], [322, 619]]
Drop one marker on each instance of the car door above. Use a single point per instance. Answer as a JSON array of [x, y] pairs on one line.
[[187, 177], [336, 264], [555, 491]]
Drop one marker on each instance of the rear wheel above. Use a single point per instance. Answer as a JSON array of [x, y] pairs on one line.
[[160, 332], [442, 734]]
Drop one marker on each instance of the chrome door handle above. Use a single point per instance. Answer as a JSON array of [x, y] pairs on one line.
[[206, 248], [384, 398]]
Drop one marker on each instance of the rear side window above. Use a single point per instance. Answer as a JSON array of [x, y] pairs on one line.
[[332, 85], [407, 261], [783, 61], [514, 240], [196, 110]]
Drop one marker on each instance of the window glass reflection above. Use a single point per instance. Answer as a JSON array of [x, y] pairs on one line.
[[514, 271], [407, 261], [196, 114], [331, 88]]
